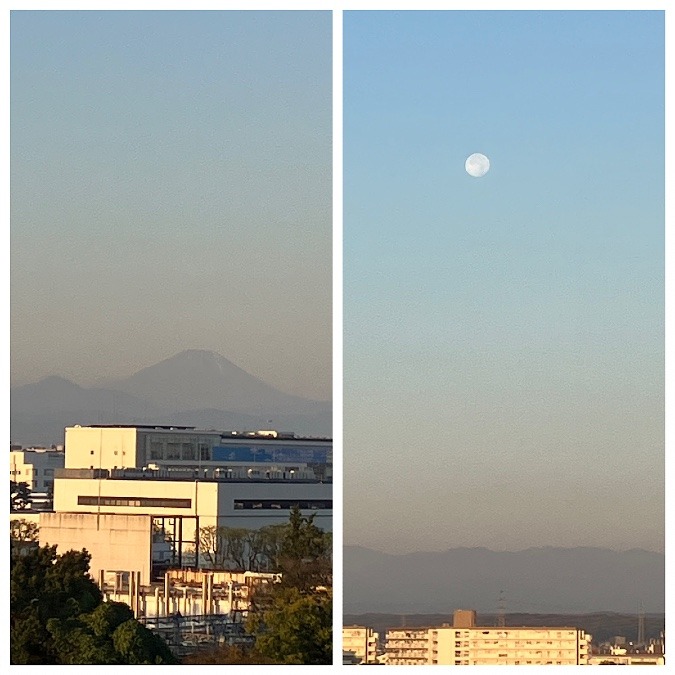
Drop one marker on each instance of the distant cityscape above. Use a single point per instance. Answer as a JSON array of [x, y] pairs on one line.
[[466, 641]]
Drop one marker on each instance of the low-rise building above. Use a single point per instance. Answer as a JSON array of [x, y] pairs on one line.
[[35, 467]]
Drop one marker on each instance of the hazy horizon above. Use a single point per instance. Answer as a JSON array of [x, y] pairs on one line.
[[504, 335], [102, 381], [513, 549], [171, 189]]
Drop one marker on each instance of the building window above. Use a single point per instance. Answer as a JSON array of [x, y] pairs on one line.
[[173, 450], [145, 502], [189, 451], [204, 452], [156, 450], [269, 504]]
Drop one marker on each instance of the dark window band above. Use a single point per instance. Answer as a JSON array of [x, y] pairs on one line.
[[135, 501], [285, 504]]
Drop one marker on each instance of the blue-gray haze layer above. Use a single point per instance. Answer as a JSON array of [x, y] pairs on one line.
[[538, 580], [194, 388]]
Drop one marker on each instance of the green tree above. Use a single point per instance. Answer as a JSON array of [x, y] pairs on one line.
[[45, 586], [74, 643], [135, 644], [227, 654], [57, 616], [23, 535], [292, 620], [304, 557], [296, 627], [23, 530], [107, 617]]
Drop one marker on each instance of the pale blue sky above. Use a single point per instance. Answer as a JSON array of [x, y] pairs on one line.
[[171, 189], [504, 335]]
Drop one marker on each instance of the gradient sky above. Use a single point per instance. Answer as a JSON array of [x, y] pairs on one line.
[[171, 189], [504, 359]]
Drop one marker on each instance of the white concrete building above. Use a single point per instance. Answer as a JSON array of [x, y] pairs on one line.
[[359, 644], [109, 447], [35, 467], [126, 491], [206, 500], [487, 646]]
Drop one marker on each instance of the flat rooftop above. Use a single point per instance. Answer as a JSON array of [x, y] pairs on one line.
[[259, 435]]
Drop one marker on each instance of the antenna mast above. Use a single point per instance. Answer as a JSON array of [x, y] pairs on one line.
[[641, 624], [501, 610]]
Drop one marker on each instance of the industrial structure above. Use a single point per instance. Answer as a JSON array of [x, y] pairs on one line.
[[137, 497]]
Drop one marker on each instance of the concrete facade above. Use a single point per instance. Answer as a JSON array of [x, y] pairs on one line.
[[105, 447], [35, 467], [115, 542], [359, 644], [226, 503], [141, 517], [464, 618], [487, 646]]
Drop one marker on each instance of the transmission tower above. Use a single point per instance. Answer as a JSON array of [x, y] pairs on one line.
[[501, 610], [641, 624]]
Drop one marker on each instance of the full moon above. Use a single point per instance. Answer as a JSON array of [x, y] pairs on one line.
[[477, 165]]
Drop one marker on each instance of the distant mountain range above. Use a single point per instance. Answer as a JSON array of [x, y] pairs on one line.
[[539, 580], [194, 388]]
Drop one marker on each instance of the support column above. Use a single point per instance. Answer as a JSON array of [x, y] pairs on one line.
[[210, 592], [137, 588], [132, 592], [167, 595]]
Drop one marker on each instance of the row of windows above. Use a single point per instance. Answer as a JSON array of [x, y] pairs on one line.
[[149, 502], [184, 451], [315, 504], [135, 501], [32, 472]]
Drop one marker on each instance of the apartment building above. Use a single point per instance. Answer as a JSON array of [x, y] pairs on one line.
[[359, 644], [487, 646]]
